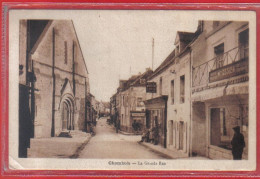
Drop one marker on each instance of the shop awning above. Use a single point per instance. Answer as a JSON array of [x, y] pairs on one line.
[[234, 89]]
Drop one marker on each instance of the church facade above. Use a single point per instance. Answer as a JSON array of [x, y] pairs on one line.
[[53, 80]]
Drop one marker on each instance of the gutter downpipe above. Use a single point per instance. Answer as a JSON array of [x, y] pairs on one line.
[[190, 143], [53, 85]]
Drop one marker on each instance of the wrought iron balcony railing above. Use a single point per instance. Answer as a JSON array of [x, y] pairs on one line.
[[201, 73]]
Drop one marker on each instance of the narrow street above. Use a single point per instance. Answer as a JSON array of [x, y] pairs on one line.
[[109, 144]]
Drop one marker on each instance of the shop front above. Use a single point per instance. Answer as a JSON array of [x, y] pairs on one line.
[[138, 121], [156, 119], [224, 114], [214, 120]]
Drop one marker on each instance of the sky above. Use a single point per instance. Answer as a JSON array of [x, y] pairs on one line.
[[118, 44], [115, 41]]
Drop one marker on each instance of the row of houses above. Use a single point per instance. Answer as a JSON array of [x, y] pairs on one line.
[[54, 90], [197, 94], [127, 106]]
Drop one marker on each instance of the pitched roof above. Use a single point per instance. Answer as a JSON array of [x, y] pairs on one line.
[[145, 75], [41, 36], [167, 61]]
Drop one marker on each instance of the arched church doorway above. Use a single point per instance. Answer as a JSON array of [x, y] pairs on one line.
[[67, 114]]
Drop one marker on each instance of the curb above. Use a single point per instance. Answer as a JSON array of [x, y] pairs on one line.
[[127, 133], [80, 148], [166, 156]]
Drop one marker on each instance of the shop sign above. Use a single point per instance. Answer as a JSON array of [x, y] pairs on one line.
[[138, 114], [150, 87], [234, 69]]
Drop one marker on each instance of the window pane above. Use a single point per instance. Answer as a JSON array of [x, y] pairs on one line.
[[182, 89], [172, 91]]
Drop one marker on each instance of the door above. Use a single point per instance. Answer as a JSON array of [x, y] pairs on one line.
[[148, 121], [65, 116], [215, 135], [170, 132]]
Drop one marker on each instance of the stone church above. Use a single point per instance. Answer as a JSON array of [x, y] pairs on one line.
[[53, 81]]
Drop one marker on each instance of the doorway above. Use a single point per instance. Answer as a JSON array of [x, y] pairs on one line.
[[171, 132], [215, 136], [67, 115], [181, 130]]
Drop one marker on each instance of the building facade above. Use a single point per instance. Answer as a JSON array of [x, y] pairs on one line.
[[113, 110], [220, 57], [169, 107]]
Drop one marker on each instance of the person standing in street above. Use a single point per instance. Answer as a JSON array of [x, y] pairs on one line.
[[238, 144]]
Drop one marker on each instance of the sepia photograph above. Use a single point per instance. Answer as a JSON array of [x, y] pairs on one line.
[[132, 89]]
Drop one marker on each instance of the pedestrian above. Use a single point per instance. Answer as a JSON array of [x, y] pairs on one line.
[[238, 144], [134, 126], [139, 126]]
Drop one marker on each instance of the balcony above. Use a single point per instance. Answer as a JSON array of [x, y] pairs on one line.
[[229, 64]]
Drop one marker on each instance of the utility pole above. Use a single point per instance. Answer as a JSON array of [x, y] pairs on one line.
[[152, 56], [152, 53]]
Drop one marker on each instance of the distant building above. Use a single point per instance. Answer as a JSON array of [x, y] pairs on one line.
[[104, 108], [92, 111], [53, 82], [220, 57], [132, 94]]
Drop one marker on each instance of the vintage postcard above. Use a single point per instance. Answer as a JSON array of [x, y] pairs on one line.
[[132, 90]]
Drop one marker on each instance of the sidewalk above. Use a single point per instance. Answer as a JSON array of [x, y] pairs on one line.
[[123, 132], [170, 154], [127, 133], [58, 147]]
